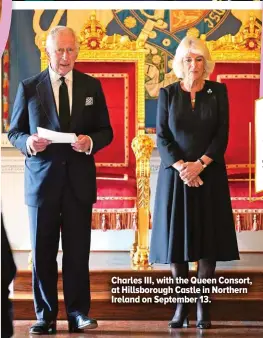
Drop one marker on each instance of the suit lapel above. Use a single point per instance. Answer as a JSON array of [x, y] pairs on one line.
[[78, 99], [46, 96]]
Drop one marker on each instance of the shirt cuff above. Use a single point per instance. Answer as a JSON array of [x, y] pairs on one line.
[[91, 146], [29, 150]]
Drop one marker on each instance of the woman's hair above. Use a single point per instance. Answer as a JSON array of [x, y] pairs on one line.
[[191, 44], [55, 31]]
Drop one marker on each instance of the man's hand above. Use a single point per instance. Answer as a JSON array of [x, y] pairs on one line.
[[82, 145], [37, 144], [191, 171]]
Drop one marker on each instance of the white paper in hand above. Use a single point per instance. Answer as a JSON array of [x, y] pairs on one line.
[[56, 137]]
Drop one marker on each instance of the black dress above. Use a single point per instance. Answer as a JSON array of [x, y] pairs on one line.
[[192, 223]]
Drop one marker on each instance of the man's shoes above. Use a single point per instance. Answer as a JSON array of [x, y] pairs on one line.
[[81, 322], [43, 327]]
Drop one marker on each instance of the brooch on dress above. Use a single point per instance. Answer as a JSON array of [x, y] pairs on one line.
[[209, 91]]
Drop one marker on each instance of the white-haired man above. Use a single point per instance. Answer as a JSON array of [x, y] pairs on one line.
[[60, 179]]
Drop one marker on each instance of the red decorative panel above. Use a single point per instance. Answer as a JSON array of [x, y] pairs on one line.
[[242, 80], [248, 212], [118, 82], [116, 193], [5, 88], [239, 191]]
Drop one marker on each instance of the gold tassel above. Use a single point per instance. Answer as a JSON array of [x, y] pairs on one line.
[[134, 223], [238, 223], [255, 224], [103, 222], [118, 223], [113, 220]]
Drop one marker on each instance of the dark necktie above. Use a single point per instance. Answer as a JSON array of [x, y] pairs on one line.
[[64, 110]]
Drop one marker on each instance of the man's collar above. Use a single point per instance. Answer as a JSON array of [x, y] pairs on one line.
[[55, 76]]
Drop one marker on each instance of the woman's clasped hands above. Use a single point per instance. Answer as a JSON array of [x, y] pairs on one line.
[[189, 173]]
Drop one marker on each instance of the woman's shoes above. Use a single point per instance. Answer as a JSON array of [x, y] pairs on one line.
[[203, 324], [175, 324], [203, 315], [180, 318]]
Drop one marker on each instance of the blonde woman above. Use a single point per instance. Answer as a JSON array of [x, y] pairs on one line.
[[192, 217]]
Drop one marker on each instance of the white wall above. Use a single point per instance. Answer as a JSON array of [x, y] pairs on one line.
[[16, 220]]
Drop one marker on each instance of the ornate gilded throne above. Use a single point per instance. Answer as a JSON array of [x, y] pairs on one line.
[[123, 168], [238, 65]]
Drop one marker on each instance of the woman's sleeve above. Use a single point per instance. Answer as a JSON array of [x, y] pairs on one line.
[[217, 148], [167, 146]]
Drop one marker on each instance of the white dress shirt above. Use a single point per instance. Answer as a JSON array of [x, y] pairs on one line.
[[55, 83]]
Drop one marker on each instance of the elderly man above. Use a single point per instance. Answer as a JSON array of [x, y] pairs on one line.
[[60, 179]]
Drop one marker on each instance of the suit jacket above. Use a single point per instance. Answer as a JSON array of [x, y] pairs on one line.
[[45, 173]]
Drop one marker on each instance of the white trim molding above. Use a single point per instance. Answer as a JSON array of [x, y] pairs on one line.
[[14, 165]]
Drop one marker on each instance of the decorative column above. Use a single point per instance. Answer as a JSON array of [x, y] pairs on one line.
[[142, 146]]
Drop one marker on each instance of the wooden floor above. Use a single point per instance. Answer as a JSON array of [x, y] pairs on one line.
[[147, 329], [121, 261], [104, 265]]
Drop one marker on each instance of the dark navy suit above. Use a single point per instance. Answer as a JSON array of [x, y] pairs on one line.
[[60, 188]]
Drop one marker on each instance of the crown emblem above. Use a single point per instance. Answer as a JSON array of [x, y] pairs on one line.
[[92, 33], [93, 36]]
